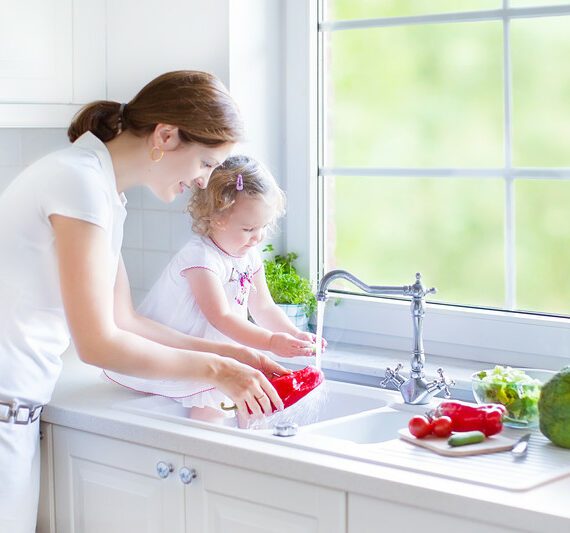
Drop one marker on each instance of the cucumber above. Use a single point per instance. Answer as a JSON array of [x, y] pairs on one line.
[[466, 437]]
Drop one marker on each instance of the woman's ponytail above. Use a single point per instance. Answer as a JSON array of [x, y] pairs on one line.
[[102, 118]]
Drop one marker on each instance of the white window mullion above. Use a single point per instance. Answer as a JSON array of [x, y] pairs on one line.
[[510, 214]]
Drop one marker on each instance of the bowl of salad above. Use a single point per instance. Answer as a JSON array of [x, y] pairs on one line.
[[518, 389]]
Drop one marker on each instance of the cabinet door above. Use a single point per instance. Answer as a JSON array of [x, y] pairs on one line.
[[111, 486], [370, 515], [225, 499], [36, 45]]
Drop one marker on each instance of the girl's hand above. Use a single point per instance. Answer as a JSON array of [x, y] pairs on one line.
[[306, 336], [247, 387], [286, 345]]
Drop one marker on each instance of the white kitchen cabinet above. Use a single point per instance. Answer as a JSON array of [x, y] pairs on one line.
[[370, 515], [52, 60], [225, 499], [56, 55], [103, 484], [111, 486]]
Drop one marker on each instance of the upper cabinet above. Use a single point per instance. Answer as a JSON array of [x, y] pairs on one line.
[[56, 55], [52, 60]]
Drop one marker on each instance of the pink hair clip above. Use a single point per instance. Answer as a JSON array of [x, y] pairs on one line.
[[239, 182]]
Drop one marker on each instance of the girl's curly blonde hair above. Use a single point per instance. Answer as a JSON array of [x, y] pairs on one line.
[[205, 205]]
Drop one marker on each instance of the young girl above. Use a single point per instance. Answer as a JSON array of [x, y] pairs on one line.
[[210, 285]]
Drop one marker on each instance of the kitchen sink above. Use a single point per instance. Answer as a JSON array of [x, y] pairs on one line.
[[366, 428], [333, 400]]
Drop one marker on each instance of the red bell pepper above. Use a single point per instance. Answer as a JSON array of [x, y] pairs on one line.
[[487, 418], [292, 387]]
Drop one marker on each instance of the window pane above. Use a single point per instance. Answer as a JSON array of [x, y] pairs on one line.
[[541, 91], [359, 9], [384, 230], [415, 96], [543, 245]]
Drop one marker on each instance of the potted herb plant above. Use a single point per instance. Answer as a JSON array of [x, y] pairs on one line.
[[289, 290]]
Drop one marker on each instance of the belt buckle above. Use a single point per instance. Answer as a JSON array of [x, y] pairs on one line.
[[6, 411], [19, 414], [26, 411]]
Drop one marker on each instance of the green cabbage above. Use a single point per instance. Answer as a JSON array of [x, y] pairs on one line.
[[554, 408]]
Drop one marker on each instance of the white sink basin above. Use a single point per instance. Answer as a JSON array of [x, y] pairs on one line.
[[331, 400], [367, 428]]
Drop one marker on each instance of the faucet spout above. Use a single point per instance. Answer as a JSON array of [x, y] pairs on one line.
[[385, 290], [415, 389]]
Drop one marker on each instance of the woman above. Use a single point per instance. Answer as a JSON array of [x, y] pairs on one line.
[[61, 273]]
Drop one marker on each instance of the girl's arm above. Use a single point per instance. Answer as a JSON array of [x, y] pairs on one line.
[[211, 298], [270, 316], [128, 319], [87, 289], [263, 308]]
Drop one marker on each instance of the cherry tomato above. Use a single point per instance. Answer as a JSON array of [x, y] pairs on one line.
[[419, 426], [441, 427]]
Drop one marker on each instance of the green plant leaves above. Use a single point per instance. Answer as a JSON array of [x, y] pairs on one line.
[[285, 284]]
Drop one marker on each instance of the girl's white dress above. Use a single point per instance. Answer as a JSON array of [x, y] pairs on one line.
[[171, 302]]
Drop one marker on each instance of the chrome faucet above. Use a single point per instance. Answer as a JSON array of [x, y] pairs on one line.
[[415, 389]]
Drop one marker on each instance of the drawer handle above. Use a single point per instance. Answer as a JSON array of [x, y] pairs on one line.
[[164, 469], [187, 475]]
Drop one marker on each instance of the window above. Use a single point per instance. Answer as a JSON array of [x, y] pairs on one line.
[[445, 148], [442, 134]]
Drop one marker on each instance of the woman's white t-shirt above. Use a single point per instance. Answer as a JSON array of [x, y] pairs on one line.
[[77, 182], [171, 302]]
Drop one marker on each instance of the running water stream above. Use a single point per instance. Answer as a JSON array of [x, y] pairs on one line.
[[319, 339]]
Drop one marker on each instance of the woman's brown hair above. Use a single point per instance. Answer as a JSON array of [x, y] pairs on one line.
[[238, 174], [196, 102]]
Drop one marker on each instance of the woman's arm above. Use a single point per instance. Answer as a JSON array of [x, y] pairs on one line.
[[87, 288], [128, 319], [211, 299]]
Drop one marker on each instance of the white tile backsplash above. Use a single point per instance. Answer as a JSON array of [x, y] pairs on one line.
[[156, 230], [133, 229], [134, 265], [10, 148], [153, 264], [39, 142], [180, 228], [7, 174], [134, 198]]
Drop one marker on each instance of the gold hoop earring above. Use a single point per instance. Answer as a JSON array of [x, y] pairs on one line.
[[152, 154]]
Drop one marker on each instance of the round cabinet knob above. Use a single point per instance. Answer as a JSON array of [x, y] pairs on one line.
[[187, 475], [164, 469]]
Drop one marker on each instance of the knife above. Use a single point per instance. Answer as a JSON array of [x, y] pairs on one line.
[[520, 446]]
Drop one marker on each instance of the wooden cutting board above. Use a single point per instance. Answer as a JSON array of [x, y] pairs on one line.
[[496, 443]]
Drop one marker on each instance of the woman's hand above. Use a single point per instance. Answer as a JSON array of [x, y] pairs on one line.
[[306, 336], [247, 387], [258, 360], [286, 345]]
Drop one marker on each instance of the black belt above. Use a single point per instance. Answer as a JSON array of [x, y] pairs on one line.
[[19, 413]]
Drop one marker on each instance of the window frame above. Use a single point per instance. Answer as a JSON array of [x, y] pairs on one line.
[[493, 336]]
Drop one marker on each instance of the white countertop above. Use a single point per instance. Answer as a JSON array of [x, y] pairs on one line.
[[83, 401]]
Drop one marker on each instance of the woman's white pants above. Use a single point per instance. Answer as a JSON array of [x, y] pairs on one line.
[[19, 477]]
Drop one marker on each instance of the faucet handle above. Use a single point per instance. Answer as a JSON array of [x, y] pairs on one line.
[[392, 376], [443, 383]]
